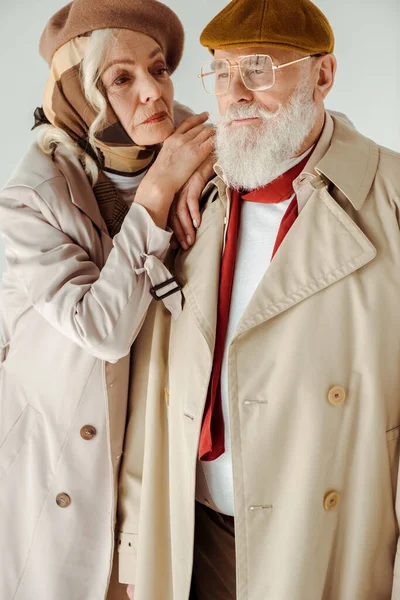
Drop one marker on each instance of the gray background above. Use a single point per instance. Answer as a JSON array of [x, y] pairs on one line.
[[367, 48]]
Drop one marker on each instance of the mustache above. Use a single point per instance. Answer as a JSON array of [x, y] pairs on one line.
[[247, 111]]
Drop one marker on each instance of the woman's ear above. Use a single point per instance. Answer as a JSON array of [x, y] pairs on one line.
[[325, 77]]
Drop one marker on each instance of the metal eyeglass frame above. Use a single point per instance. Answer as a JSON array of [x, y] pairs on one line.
[[237, 66]]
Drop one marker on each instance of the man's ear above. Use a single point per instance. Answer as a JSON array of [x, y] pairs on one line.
[[326, 70]]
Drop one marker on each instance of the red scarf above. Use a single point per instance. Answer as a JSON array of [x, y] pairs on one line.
[[212, 443]]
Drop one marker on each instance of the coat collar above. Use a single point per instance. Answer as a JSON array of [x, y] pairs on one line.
[[81, 191], [350, 162], [343, 157]]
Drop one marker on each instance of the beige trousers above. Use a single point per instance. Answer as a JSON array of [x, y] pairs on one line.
[[214, 576]]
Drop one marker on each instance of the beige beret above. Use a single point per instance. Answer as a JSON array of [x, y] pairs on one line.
[[291, 24], [80, 17]]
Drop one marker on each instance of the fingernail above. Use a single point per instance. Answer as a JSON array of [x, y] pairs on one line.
[[183, 244], [195, 224], [188, 239]]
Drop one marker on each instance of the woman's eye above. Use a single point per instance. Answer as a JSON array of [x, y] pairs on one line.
[[120, 80]]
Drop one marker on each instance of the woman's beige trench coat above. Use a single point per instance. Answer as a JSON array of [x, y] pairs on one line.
[[66, 328], [314, 390]]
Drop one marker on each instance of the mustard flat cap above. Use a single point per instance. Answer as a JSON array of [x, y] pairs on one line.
[[83, 16], [291, 24]]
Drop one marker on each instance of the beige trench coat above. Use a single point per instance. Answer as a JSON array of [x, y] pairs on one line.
[[314, 391], [71, 303]]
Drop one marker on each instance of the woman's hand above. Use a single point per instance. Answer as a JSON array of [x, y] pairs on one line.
[[185, 217], [182, 153], [130, 590]]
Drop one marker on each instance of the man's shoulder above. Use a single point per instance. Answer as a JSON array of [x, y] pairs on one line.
[[356, 164], [389, 167], [389, 157]]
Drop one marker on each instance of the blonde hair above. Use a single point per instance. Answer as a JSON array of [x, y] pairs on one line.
[[49, 136]]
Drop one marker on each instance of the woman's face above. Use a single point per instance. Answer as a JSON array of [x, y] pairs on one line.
[[139, 88]]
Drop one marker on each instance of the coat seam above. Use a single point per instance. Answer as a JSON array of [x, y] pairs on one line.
[[31, 429], [111, 466], [35, 190], [264, 9], [31, 187]]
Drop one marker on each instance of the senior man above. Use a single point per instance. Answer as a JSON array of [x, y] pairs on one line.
[[274, 399]]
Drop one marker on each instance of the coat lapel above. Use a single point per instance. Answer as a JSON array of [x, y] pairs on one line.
[[81, 191], [323, 246], [199, 268]]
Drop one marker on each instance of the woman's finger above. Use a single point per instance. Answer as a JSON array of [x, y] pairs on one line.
[[194, 190], [177, 228], [195, 131], [195, 187], [191, 122], [174, 242], [184, 217], [204, 136], [181, 210]]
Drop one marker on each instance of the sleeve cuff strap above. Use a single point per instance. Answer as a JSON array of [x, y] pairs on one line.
[[127, 557], [158, 273]]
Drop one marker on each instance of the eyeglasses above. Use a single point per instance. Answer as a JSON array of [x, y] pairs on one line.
[[256, 70]]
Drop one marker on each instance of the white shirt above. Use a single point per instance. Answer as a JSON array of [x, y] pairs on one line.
[[259, 226], [126, 185]]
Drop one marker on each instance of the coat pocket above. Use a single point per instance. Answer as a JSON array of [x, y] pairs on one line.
[[393, 447], [17, 438]]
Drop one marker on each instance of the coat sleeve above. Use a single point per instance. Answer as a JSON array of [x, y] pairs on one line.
[[101, 310]]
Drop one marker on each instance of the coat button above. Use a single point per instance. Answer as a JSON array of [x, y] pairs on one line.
[[336, 395], [331, 500], [63, 500], [88, 432]]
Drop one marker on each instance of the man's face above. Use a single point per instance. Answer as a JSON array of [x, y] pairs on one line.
[[260, 131], [286, 81]]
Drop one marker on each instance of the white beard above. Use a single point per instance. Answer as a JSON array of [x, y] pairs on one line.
[[253, 155]]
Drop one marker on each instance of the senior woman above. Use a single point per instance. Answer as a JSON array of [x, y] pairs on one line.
[[84, 261]]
